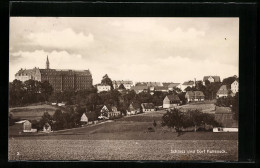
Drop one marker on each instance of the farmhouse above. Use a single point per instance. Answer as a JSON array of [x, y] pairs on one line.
[[19, 127], [211, 79], [109, 111], [171, 101], [224, 116], [147, 107], [133, 108], [194, 96], [223, 91]]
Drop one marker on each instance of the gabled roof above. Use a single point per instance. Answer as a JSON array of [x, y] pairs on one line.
[[110, 107], [188, 83], [195, 93], [158, 88], [147, 105], [216, 78], [172, 85], [173, 97], [21, 122], [139, 88], [223, 90]]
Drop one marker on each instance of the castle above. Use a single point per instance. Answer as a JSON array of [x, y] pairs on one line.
[[60, 79]]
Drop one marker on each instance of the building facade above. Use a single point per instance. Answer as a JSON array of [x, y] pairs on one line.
[[234, 86], [59, 79], [103, 88], [127, 84]]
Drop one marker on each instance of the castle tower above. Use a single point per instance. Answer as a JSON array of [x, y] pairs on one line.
[[47, 63]]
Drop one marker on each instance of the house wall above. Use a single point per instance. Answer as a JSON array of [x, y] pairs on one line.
[[234, 87]]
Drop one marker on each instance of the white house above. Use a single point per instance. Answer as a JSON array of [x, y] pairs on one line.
[[127, 84], [234, 86], [171, 101], [147, 107], [102, 88], [84, 118], [223, 91], [211, 79]]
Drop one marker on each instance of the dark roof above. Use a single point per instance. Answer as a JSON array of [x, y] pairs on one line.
[[195, 93], [148, 105], [139, 88], [216, 78], [173, 97], [223, 90], [188, 83], [110, 107], [118, 82], [172, 85], [158, 88]]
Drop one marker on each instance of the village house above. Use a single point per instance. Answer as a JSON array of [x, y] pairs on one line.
[[187, 84], [133, 109], [223, 91], [224, 116], [139, 89], [84, 119], [211, 79], [102, 88], [47, 128], [171, 101], [234, 87], [194, 96], [23, 126], [147, 107], [127, 84], [109, 111]]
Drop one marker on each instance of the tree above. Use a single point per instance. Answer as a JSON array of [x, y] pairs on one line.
[[16, 93], [46, 89], [107, 81], [173, 118]]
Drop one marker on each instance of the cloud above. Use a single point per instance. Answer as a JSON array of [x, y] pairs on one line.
[[66, 38]]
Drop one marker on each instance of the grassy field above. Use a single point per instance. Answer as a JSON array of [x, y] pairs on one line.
[[204, 107], [121, 150], [32, 112]]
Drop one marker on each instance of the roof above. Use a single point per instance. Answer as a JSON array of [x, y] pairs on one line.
[[110, 107], [148, 84], [21, 122], [148, 105], [172, 85], [27, 71], [173, 97], [139, 88], [158, 88], [223, 90], [188, 83], [118, 82], [216, 78], [195, 93]]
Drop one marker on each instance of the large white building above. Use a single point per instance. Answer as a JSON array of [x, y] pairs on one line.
[[234, 86]]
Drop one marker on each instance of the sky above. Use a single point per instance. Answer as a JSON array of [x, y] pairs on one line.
[[147, 49]]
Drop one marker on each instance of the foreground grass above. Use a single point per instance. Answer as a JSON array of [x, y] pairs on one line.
[[120, 149]]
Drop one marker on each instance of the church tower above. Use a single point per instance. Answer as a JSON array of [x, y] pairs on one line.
[[47, 63]]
